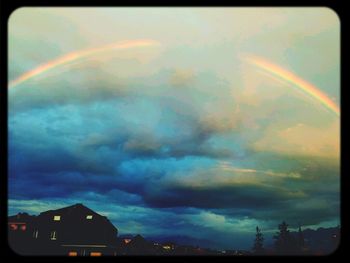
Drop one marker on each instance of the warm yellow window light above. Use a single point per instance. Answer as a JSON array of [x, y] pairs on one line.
[[56, 218], [89, 217], [53, 235], [73, 254]]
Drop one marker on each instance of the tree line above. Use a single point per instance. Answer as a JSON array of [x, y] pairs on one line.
[[285, 242]]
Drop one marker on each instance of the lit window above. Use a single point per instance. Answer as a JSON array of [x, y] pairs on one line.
[[95, 254], [89, 217], [14, 227], [23, 227], [56, 218], [53, 235], [72, 254]]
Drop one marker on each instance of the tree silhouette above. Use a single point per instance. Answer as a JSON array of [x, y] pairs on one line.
[[300, 240], [285, 244], [258, 247]]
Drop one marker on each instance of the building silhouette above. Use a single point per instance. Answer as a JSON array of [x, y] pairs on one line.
[[20, 233], [74, 231]]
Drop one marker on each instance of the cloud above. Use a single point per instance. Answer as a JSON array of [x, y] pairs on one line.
[[221, 187], [182, 77], [309, 212], [302, 139], [106, 145], [227, 167], [79, 87]]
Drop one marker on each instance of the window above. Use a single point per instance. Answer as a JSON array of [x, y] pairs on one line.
[[35, 234], [95, 254], [72, 254], [53, 235], [89, 217], [23, 227], [57, 218], [13, 227]]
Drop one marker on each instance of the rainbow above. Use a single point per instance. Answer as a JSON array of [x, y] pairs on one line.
[[78, 55], [291, 78]]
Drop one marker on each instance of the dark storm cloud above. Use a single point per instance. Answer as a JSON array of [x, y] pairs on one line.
[[79, 87], [99, 162], [146, 146], [308, 212], [210, 195]]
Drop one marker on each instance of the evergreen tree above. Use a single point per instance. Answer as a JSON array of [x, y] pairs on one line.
[[258, 247], [301, 241], [285, 244]]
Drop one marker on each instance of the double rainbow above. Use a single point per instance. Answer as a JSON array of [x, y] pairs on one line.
[[70, 57], [293, 79], [262, 63]]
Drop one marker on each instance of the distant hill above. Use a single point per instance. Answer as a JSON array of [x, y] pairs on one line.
[[184, 240], [322, 239]]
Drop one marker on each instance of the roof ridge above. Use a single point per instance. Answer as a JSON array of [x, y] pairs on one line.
[[77, 205]]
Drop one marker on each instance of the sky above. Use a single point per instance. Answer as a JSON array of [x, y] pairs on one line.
[[163, 120]]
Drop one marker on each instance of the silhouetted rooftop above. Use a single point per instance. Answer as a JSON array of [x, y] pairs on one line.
[[73, 208]]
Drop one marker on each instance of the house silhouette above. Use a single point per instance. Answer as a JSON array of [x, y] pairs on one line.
[[140, 246], [74, 231], [79, 231]]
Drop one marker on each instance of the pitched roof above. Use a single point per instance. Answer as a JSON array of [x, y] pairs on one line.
[[80, 208], [21, 217]]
